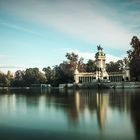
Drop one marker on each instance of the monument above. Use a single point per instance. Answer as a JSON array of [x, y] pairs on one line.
[[101, 75]]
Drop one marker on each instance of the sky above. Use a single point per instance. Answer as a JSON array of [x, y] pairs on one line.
[[38, 33]]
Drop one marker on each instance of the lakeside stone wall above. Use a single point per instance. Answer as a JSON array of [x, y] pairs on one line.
[[103, 85]]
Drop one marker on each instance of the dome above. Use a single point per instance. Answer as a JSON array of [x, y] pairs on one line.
[[101, 53]]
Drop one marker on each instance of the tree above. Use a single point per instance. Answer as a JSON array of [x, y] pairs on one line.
[[4, 81], [91, 66], [81, 65], [34, 76], [49, 74], [63, 73], [60, 76], [72, 58], [9, 78], [115, 66], [19, 79], [134, 57], [19, 74]]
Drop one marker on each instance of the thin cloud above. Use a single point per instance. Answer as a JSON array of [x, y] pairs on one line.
[[84, 20], [90, 55], [18, 28], [3, 56], [109, 23], [7, 61]]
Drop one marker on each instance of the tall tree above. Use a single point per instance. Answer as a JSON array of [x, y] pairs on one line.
[[134, 57], [9, 77], [3, 80], [60, 76], [72, 58], [63, 73], [34, 76], [115, 66], [91, 66], [49, 74], [81, 65], [19, 79]]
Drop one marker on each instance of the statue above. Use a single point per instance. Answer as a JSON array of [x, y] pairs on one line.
[[99, 48]]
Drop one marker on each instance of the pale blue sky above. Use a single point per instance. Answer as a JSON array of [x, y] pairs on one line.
[[38, 33]]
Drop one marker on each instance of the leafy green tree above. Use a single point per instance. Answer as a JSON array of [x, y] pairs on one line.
[[34, 76], [91, 66], [59, 76], [72, 59], [49, 74], [134, 57], [19, 74], [19, 79], [115, 66], [63, 73], [9, 77], [4, 81], [81, 65]]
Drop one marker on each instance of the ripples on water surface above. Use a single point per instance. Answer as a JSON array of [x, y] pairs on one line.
[[70, 115]]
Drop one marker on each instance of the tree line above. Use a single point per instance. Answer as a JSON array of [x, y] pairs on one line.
[[63, 73]]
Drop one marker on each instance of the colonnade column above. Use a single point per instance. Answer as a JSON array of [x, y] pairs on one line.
[[86, 79]]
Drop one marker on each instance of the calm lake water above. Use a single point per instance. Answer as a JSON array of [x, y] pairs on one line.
[[70, 115]]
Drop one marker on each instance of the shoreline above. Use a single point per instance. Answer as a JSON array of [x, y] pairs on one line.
[[102, 85], [95, 85]]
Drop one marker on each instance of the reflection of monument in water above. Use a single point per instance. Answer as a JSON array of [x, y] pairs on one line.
[[85, 100], [102, 105], [82, 106], [95, 102]]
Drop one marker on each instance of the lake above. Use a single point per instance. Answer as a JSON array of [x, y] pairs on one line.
[[70, 114]]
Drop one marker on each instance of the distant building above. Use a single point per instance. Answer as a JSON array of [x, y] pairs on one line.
[[101, 74]]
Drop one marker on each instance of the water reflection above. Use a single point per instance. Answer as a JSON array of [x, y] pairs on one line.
[[135, 113], [102, 105], [84, 114]]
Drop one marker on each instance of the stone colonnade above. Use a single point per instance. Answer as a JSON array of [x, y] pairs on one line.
[[115, 78], [86, 79], [92, 78]]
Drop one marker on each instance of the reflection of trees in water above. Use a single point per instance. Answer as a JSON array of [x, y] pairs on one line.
[[76, 103], [129, 101], [135, 113], [120, 100]]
